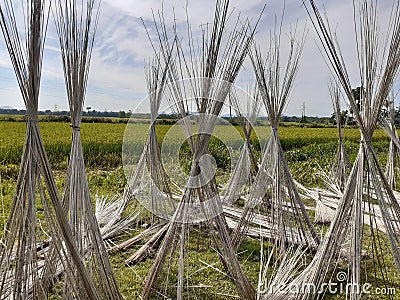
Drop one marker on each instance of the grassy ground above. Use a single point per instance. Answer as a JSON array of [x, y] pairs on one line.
[[306, 149]]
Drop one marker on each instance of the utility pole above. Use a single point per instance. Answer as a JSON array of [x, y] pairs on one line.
[[303, 113]]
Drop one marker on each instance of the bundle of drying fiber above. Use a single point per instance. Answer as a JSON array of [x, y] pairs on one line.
[[247, 162], [273, 188], [326, 198], [330, 200], [341, 164], [348, 225], [148, 181], [76, 27], [323, 213], [150, 164], [337, 177], [261, 227], [387, 122], [24, 276], [211, 70], [112, 222]]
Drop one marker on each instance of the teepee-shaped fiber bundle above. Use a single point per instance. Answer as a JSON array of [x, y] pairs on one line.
[[21, 264], [389, 125], [274, 192], [150, 164], [341, 164], [148, 182], [247, 166], [76, 24], [336, 180], [211, 70], [367, 179]]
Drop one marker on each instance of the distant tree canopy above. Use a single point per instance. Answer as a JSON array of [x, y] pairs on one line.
[[357, 94], [347, 116]]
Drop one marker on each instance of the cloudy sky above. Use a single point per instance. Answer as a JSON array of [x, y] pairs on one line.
[[117, 72]]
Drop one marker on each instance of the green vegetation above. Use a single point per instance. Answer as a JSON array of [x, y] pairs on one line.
[[102, 142], [307, 149]]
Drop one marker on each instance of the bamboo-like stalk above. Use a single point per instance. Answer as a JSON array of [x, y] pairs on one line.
[[341, 164], [21, 279], [210, 72], [247, 162], [273, 187], [76, 25], [388, 124], [378, 71]]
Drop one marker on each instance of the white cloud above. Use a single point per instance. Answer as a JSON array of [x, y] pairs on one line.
[[117, 71]]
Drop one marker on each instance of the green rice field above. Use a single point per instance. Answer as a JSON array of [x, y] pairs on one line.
[[102, 142], [306, 149]]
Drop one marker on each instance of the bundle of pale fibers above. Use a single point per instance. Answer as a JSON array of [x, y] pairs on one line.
[[22, 277], [341, 164], [76, 27], [274, 192], [387, 122], [378, 69], [211, 70]]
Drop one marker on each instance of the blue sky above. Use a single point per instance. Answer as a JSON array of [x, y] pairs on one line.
[[117, 72]]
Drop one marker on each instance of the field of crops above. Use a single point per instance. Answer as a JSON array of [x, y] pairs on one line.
[[307, 149], [102, 142]]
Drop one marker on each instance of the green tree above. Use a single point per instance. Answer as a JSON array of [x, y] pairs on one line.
[[357, 94], [122, 114]]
